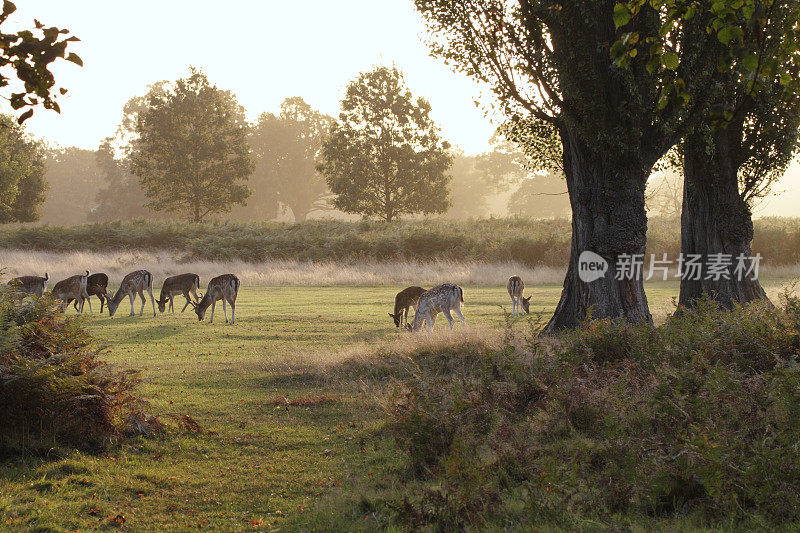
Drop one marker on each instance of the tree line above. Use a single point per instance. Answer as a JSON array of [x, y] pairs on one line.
[[186, 148]]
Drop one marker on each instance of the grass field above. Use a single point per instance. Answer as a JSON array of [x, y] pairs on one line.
[[281, 423]]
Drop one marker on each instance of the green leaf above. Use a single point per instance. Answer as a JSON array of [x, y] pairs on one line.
[[730, 33], [622, 15], [73, 57], [25, 116], [670, 60], [617, 50], [751, 62]]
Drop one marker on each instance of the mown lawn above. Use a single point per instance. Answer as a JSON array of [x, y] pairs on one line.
[[256, 461]]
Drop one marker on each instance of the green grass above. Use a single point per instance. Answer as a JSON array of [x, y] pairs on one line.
[[258, 462]]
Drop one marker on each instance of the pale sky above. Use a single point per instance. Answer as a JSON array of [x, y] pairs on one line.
[[263, 51]]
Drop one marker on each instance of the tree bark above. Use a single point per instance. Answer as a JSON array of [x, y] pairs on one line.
[[608, 218], [300, 215], [715, 219]]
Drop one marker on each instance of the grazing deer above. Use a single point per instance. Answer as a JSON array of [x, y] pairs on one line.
[[96, 285], [134, 283], [405, 299], [72, 288], [445, 298], [225, 288], [181, 284], [515, 288], [34, 285]]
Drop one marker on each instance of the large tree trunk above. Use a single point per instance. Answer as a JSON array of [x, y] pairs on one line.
[[300, 214], [715, 220], [608, 218]]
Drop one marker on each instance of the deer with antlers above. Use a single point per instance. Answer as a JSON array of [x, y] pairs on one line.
[[132, 284], [225, 288], [72, 288], [35, 285], [186, 284]]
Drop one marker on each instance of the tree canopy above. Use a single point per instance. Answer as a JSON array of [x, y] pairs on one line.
[[384, 156], [22, 168], [191, 152], [285, 148], [121, 196]]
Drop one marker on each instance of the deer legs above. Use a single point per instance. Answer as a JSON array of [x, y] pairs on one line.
[[188, 301], [224, 310]]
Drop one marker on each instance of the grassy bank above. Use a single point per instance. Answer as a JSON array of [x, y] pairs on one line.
[[528, 241]]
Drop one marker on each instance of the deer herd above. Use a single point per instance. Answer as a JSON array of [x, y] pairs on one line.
[[80, 287], [445, 298]]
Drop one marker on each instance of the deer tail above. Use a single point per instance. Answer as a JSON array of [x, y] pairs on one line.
[[461, 294]]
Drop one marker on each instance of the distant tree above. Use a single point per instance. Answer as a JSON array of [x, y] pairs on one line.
[[384, 157], [73, 179], [665, 194], [29, 54], [121, 197], [191, 152], [286, 147], [22, 184], [541, 196], [477, 179]]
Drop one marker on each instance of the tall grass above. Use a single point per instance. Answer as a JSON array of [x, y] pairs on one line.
[[60, 265]]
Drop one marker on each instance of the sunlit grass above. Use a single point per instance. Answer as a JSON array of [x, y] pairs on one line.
[[257, 460]]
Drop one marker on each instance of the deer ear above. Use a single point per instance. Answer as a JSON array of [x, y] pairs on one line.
[[528, 299], [391, 315]]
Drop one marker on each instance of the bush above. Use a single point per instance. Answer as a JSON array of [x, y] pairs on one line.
[[697, 420], [54, 389]]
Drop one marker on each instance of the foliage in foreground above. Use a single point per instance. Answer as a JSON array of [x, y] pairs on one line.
[[696, 421], [54, 389]]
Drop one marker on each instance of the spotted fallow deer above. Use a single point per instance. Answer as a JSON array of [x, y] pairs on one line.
[[185, 284], [225, 288], [34, 285], [132, 284], [72, 288], [405, 299], [442, 298], [515, 288]]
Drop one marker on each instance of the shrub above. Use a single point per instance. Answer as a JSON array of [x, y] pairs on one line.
[[696, 420], [54, 389]]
